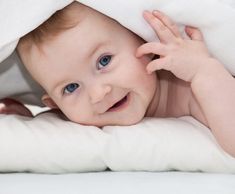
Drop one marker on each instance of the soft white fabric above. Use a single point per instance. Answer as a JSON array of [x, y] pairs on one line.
[[118, 183], [214, 17], [17, 83], [19, 17], [47, 144]]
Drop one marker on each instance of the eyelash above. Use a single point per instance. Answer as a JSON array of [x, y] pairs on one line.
[[66, 88], [98, 62], [102, 57]]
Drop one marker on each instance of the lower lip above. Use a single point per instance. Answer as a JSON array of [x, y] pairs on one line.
[[122, 106]]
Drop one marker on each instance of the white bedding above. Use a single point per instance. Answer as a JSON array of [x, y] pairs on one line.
[[215, 18], [118, 183], [50, 145]]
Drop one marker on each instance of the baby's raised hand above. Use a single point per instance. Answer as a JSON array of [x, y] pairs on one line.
[[184, 57]]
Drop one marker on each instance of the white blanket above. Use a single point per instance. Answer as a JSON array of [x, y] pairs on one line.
[[215, 18], [48, 144]]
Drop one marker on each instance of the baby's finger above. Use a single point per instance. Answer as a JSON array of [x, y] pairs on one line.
[[151, 48], [164, 34], [167, 22], [194, 33], [157, 64]]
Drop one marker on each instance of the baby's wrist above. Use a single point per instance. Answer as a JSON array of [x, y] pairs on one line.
[[209, 75], [211, 68]]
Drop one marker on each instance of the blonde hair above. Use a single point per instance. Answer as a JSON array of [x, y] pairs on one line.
[[61, 20]]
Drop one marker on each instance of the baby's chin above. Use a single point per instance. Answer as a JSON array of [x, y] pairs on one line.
[[126, 122], [101, 125]]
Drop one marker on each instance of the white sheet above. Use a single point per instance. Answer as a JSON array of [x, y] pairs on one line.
[[118, 183]]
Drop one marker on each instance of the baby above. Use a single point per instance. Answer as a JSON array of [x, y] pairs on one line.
[[99, 73]]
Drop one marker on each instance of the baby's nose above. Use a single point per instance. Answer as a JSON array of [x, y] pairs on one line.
[[98, 92]]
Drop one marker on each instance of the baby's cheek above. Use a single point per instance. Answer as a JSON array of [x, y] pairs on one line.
[[81, 114], [140, 68]]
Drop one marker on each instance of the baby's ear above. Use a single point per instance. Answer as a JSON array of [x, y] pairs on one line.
[[47, 101]]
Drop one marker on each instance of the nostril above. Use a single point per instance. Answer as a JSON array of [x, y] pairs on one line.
[[108, 89], [99, 93]]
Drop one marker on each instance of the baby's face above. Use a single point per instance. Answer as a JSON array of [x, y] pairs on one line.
[[92, 74]]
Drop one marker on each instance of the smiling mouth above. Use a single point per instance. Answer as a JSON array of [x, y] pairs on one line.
[[120, 104]]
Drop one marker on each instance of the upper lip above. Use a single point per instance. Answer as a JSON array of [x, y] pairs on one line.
[[115, 102]]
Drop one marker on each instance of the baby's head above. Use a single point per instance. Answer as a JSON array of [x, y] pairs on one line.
[[86, 63]]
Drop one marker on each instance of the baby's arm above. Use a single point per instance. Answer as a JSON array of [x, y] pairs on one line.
[[188, 59], [10, 106]]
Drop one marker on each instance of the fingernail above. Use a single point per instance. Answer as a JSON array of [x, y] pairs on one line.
[[147, 13]]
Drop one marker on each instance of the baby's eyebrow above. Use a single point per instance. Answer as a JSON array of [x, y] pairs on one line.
[[96, 47], [58, 85]]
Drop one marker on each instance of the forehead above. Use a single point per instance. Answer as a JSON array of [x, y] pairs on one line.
[[62, 55], [92, 31], [92, 28], [72, 48]]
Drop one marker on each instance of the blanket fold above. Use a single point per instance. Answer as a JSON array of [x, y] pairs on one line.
[[215, 18]]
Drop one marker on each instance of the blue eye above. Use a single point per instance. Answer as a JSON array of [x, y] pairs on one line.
[[70, 88], [103, 61]]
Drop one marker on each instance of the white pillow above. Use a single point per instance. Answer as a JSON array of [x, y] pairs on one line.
[[48, 144]]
